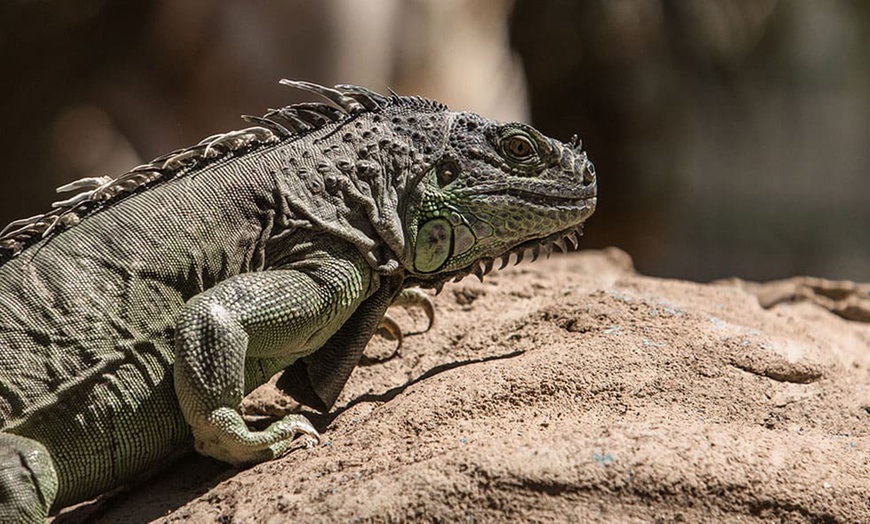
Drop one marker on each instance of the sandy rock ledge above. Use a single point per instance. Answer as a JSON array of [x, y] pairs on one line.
[[570, 389]]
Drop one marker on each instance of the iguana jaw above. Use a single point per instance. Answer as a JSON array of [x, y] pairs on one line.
[[565, 240]]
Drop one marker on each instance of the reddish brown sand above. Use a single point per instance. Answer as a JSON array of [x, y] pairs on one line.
[[568, 390]]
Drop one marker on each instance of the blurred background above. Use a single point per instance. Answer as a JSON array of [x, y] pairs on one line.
[[730, 136]]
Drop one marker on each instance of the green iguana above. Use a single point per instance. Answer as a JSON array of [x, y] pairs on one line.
[[136, 315]]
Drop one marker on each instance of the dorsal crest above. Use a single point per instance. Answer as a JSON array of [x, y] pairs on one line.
[[287, 123]]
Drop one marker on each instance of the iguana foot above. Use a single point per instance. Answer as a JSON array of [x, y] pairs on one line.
[[225, 436], [411, 297], [416, 297]]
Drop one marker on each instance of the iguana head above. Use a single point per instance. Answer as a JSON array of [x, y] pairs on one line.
[[496, 189]]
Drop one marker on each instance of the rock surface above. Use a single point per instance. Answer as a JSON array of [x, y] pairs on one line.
[[571, 389]]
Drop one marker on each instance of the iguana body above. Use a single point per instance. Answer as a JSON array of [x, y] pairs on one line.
[[139, 313]]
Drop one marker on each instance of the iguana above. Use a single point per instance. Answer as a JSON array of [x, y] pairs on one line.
[[136, 315]]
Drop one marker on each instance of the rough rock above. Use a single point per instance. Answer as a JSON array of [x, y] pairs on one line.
[[571, 389]]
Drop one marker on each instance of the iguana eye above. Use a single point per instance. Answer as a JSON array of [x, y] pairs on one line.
[[447, 171], [519, 147]]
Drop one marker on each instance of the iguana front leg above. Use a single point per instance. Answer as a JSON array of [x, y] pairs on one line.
[[317, 379], [261, 319]]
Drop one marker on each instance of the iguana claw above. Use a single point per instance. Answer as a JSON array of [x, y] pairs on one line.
[[416, 297], [389, 325], [304, 426], [310, 437]]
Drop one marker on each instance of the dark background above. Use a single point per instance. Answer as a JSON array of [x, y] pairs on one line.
[[730, 137]]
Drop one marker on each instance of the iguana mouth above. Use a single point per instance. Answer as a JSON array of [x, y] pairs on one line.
[[546, 198]]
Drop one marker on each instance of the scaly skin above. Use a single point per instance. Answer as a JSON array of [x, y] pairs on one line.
[[135, 316]]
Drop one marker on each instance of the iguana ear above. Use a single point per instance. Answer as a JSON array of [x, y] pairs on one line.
[[317, 380]]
